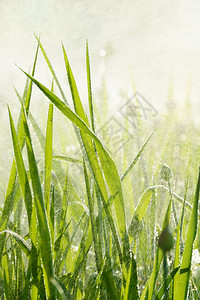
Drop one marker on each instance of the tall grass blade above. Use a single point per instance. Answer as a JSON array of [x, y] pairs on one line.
[[131, 290], [182, 279], [150, 284], [67, 158], [45, 240], [89, 87], [108, 166], [8, 204], [132, 164], [107, 276], [23, 178], [52, 70], [61, 289], [48, 158], [98, 255]]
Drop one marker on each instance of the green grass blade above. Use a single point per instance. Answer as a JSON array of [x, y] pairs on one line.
[[140, 211], [48, 158], [150, 284], [107, 276], [61, 289], [23, 178], [89, 87], [8, 204], [45, 240], [98, 255], [67, 158], [38, 131], [182, 280], [131, 290], [132, 164], [52, 70], [107, 164], [74, 91]]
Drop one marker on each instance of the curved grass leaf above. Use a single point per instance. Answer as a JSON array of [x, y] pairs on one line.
[[140, 211], [21, 242]]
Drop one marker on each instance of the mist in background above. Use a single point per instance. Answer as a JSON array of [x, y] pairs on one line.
[[153, 45]]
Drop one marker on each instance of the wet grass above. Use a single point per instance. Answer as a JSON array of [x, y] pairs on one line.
[[95, 226]]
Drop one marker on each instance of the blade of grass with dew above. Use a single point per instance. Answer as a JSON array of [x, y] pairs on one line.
[[107, 276], [67, 158], [182, 280], [179, 242], [52, 217], [5, 267], [61, 289], [89, 87], [24, 183], [45, 239], [62, 229], [9, 197], [177, 256], [87, 142], [150, 284], [48, 159], [132, 164], [66, 250], [82, 253], [131, 290], [52, 70], [26, 289], [98, 255], [108, 166], [23, 178], [136, 158], [140, 211]]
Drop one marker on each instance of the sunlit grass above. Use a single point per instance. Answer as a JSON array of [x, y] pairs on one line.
[[85, 224]]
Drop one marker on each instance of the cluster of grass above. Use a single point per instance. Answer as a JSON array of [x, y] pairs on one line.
[[114, 243]]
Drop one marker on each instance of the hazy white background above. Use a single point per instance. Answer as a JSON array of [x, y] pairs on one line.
[[154, 43]]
